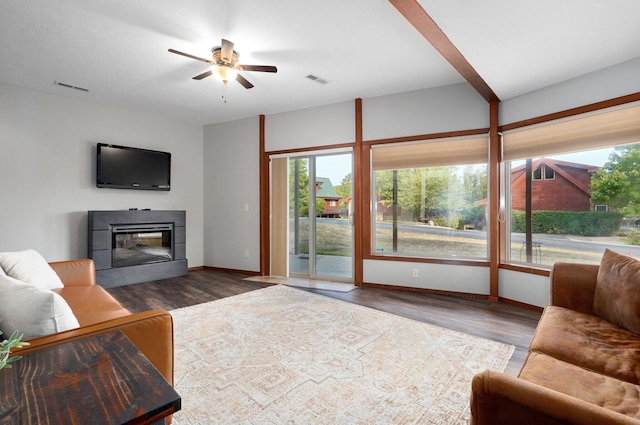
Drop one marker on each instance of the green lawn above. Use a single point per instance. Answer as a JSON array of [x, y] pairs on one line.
[[334, 239]]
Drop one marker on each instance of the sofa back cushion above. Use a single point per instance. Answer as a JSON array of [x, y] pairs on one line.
[[617, 295], [31, 311]]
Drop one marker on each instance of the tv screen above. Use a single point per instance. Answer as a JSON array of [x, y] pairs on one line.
[[122, 167]]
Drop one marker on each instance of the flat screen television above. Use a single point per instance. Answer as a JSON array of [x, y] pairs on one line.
[[122, 167]]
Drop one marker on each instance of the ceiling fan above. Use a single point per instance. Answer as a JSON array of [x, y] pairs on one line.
[[225, 66]]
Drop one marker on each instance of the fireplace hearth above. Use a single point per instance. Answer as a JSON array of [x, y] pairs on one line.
[[132, 246]]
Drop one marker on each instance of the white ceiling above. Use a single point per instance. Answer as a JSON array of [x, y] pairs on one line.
[[363, 48]]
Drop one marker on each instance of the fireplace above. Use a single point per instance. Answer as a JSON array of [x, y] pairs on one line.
[[132, 246]]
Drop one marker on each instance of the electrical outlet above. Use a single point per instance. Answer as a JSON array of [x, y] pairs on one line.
[[415, 273], [246, 253]]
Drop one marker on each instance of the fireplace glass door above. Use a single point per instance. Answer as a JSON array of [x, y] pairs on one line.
[[135, 245]]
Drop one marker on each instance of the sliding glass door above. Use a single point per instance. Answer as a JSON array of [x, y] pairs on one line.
[[320, 241]]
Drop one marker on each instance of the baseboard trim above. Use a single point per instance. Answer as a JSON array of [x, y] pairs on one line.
[[222, 269], [454, 294], [426, 291], [521, 304]]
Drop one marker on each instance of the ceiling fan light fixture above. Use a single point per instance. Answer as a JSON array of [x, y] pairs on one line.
[[224, 73]]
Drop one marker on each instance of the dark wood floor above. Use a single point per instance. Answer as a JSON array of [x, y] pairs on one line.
[[497, 321]]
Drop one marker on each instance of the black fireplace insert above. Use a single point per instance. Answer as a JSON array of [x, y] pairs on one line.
[[141, 244]]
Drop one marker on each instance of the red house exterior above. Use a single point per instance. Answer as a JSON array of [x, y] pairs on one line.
[[326, 191], [555, 185]]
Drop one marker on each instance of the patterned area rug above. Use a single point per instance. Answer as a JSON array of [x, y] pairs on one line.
[[281, 355]]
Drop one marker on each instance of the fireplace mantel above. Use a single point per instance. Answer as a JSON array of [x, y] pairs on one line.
[[101, 226]]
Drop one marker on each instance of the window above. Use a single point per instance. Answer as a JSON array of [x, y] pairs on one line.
[[543, 172], [549, 173], [583, 186], [537, 173], [429, 198]]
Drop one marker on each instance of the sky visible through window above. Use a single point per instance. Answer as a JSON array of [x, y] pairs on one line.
[[596, 157], [334, 167]]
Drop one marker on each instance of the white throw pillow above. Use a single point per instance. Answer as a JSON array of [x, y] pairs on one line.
[[31, 268], [33, 312]]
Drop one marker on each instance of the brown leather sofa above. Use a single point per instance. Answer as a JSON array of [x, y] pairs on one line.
[[98, 312], [581, 368]]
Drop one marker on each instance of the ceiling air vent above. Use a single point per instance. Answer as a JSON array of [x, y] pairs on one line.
[[316, 79], [70, 86]]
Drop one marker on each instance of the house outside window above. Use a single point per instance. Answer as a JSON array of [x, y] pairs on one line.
[[326, 194], [583, 185]]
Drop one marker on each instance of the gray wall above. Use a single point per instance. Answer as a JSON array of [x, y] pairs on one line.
[[47, 171], [232, 195], [615, 81]]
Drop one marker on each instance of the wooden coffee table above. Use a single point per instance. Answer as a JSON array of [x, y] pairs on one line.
[[98, 380]]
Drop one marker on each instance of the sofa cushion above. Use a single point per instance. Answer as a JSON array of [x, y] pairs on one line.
[[91, 304], [33, 312], [613, 394], [589, 342], [617, 295], [31, 268]]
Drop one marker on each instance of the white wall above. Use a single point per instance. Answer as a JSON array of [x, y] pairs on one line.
[[441, 109], [232, 195], [526, 288], [442, 277], [47, 171], [615, 81], [321, 126]]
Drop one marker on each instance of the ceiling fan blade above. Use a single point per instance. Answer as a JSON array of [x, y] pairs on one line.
[[227, 51], [191, 56], [203, 75], [259, 68], [244, 82]]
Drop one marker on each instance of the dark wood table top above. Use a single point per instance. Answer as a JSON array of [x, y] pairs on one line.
[[97, 380]]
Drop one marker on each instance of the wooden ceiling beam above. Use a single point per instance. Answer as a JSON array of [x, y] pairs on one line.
[[418, 17]]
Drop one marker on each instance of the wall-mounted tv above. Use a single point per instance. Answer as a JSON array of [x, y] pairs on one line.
[[122, 167]]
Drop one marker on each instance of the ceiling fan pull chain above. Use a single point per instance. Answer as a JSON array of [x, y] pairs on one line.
[[224, 92]]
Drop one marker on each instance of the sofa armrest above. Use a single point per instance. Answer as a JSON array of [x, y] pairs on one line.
[[573, 286], [150, 331], [75, 272], [498, 399]]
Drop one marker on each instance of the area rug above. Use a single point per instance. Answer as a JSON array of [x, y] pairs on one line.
[[282, 355]]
